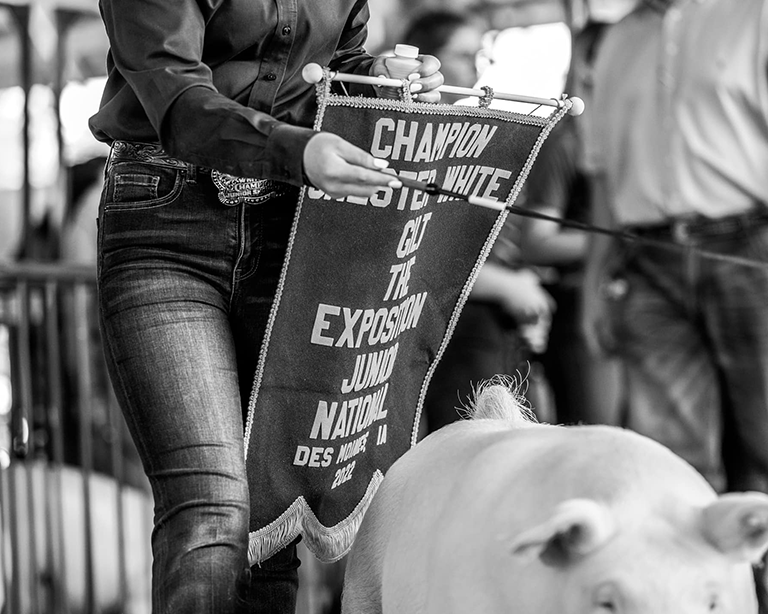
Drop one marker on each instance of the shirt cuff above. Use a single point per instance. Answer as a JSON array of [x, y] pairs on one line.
[[286, 145]]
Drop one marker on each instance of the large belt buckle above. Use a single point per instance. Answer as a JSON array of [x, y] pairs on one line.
[[236, 190]]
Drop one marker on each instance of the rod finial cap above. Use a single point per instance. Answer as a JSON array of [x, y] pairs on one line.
[[313, 73], [577, 106]]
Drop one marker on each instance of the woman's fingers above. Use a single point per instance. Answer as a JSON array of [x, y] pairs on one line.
[[341, 169]]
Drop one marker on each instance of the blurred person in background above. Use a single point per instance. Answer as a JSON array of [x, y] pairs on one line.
[[507, 312], [586, 388], [680, 156], [456, 38], [35, 238], [84, 76], [504, 322], [527, 50]]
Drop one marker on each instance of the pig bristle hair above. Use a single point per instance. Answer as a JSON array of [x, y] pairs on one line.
[[501, 398]]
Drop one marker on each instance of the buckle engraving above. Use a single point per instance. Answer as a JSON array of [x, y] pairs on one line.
[[236, 190]]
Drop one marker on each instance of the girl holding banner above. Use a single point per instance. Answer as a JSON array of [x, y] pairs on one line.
[[210, 124]]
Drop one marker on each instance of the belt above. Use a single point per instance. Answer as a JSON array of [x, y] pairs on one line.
[[232, 190], [698, 226]]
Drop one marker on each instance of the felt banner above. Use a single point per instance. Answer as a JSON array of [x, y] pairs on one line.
[[370, 292]]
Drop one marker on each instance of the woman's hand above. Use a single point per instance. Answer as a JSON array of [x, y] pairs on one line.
[[341, 169], [520, 294], [424, 85], [525, 299]]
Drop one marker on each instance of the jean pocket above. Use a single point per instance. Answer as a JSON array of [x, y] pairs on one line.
[[142, 186]]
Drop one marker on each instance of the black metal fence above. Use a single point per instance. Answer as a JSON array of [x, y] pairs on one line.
[[75, 511], [75, 507]]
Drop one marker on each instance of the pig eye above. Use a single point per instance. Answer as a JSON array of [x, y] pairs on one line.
[[714, 603]]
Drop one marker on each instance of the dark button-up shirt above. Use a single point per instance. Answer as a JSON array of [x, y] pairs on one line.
[[218, 82]]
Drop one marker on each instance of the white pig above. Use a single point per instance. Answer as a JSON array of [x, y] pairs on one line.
[[500, 515]]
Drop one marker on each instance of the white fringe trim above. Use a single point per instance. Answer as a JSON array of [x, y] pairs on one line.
[[328, 544]]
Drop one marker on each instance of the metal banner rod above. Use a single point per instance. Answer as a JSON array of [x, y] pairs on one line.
[[313, 73]]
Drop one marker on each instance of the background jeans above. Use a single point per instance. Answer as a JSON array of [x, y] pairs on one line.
[[185, 288], [694, 333]]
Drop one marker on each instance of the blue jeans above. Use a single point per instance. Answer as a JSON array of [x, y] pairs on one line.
[[185, 288], [694, 334]]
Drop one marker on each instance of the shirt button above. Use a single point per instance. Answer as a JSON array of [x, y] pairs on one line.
[[286, 30], [270, 76]]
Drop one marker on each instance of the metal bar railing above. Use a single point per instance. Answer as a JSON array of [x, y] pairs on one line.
[[118, 466], [67, 467], [84, 384], [57, 559]]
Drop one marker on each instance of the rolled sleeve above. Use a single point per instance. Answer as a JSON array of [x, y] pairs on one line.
[[237, 140]]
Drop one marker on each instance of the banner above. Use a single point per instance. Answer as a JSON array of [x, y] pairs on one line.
[[370, 292]]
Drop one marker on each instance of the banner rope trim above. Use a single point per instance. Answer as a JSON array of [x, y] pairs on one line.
[[555, 118], [432, 108]]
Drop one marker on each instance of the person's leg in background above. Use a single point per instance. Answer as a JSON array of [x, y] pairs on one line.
[[738, 321], [587, 389], [485, 343], [737, 318], [671, 379]]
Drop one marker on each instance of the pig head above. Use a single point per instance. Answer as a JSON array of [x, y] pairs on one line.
[[499, 515]]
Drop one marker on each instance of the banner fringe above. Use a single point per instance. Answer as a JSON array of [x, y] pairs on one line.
[[328, 544]]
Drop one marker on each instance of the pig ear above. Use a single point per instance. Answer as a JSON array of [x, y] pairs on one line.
[[576, 528], [737, 525]]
